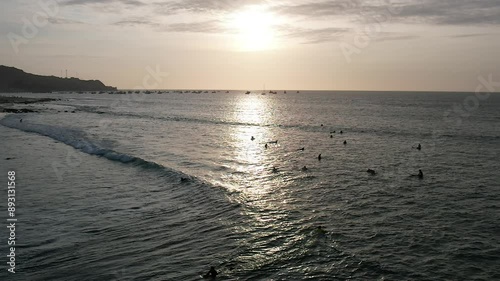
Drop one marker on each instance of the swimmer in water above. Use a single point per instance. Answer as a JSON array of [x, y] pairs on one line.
[[320, 230], [212, 273], [420, 174]]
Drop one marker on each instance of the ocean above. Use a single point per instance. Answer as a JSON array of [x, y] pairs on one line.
[[163, 186]]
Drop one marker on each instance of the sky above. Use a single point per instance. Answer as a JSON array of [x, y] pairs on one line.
[[380, 45]]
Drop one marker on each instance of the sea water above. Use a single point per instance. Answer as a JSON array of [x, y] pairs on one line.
[[163, 186]]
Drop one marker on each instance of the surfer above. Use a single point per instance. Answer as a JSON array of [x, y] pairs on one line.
[[331, 136], [252, 138], [419, 147], [275, 142], [319, 157], [301, 149], [304, 169], [212, 273], [21, 120], [420, 174], [265, 146], [320, 230], [371, 172], [341, 132], [275, 170], [345, 142]]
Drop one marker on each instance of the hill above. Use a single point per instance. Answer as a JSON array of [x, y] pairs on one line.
[[16, 80]]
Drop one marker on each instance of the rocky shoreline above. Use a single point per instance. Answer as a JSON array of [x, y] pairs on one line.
[[7, 103]]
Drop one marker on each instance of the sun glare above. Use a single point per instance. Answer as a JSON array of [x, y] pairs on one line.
[[254, 28]]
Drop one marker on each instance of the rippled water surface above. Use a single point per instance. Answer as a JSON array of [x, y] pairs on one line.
[[163, 186]]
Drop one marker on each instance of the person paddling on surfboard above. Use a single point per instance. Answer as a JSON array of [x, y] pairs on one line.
[[420, 174], [212, 273]]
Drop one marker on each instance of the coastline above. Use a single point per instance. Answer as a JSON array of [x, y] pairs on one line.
[[10, 104]]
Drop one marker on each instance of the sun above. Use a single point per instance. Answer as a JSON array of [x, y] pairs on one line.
[[254, 28]]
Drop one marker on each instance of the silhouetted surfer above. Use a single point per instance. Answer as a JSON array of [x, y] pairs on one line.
[[319, 157], [212, 273], [21, 121], [302, 149], [371, 172], [420, 174], [265, 146], [252, 138], [345, 142], [341, 132], [275, 142], [275, 170], [331, 136], [304, 169], [320, 230], [419, 147]]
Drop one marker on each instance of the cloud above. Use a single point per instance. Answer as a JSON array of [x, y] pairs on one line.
[[135, 22], [387, 36], [469, 35], [210, 6], [313, 36], [63, 21], [86, 2], [440, 12], [211, 26]]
